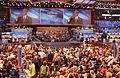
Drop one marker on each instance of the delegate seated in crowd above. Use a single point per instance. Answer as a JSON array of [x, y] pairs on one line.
[[67, 62]]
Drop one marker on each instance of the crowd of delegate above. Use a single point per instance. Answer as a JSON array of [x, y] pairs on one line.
[[39, 61], [56, 36]]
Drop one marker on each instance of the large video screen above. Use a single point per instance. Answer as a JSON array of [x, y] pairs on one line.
[[47, 16], [25, 16], [51, 16], [77, 17], [18, 35]]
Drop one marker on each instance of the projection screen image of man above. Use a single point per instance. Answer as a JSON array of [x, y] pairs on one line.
[[24, 19], [75, 19]]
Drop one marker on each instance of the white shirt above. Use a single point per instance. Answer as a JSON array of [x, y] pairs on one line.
[[42, 54], [76, 17]]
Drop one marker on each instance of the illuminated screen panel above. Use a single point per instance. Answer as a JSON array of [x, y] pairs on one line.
[[51, 16], [18, 35], [77, 17], [32, 17], [2, 21], [88, 35], [47, 16]]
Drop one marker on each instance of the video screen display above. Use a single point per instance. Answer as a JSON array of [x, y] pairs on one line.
[[18, 35], [25, 16], [50, 16], [88, 35], [77, 17], [107, 24], [2, 21]]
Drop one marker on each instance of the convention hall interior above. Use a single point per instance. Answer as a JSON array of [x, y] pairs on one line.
[[59, 38]]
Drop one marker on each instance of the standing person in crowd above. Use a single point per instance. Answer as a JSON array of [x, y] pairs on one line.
[[92, 73], [44, 70], [37, 66], [109, 73], [27, 71], [32, 69], [71, 74], [114, 47], [118, 75]]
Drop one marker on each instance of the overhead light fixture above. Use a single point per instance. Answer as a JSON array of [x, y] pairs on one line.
[[110, 14], [115, 14]]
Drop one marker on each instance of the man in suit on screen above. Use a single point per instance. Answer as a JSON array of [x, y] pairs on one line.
[[24, 19], [75, 19]]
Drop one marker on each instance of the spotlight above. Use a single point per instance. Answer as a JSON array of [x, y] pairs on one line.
[[46, 3], [24, 4], [60, 2], [88, 7], [20, 4], [52, 5]]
